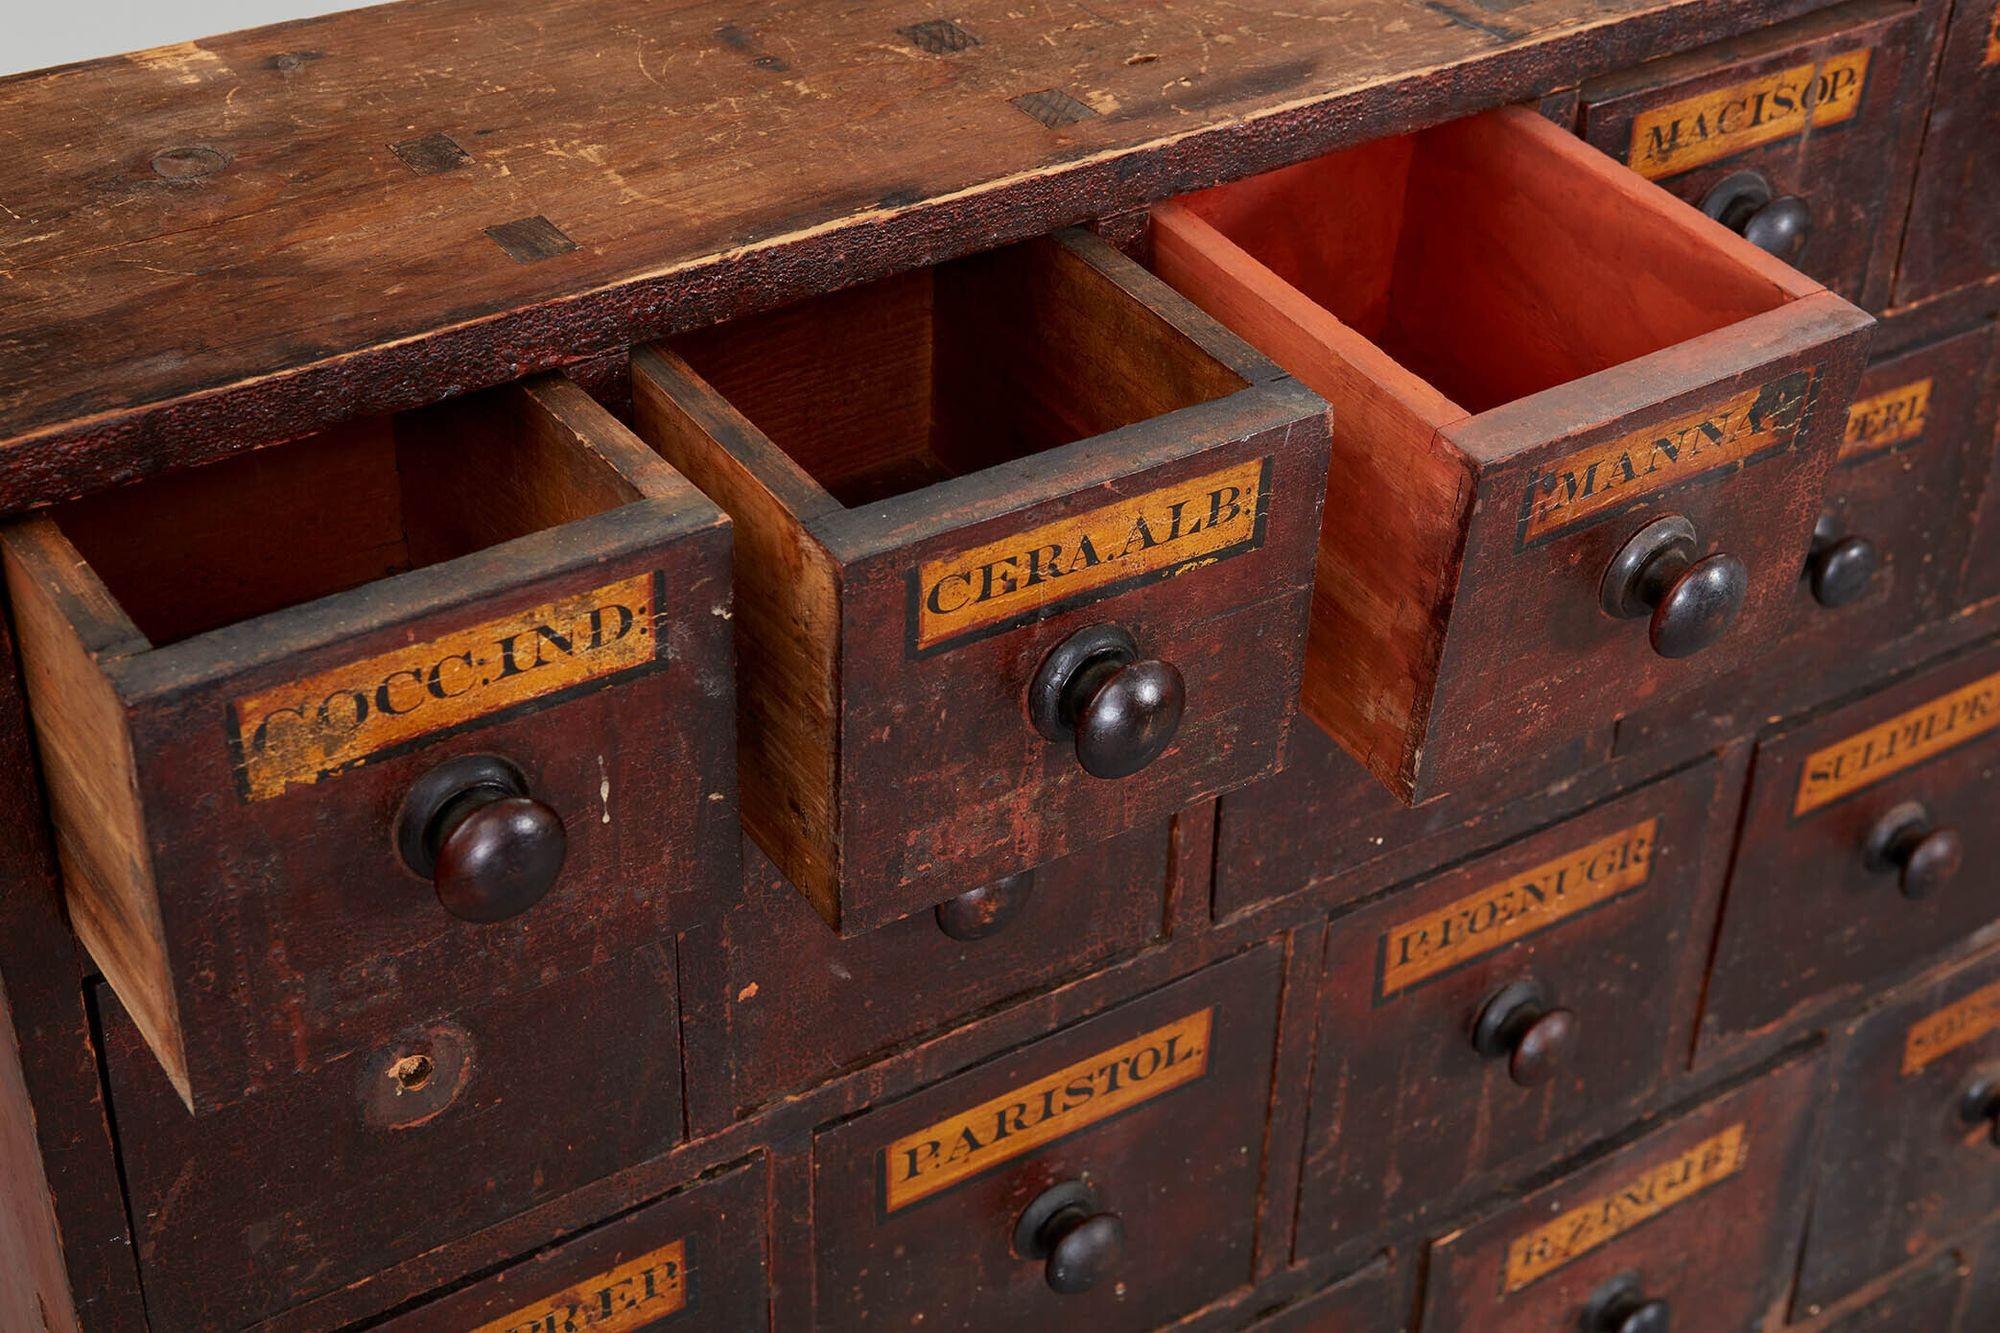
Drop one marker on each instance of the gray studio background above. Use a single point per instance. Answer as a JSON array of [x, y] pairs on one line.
[[37, 33]]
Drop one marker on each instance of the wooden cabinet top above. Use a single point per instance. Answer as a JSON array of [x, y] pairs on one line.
[[230, 242]]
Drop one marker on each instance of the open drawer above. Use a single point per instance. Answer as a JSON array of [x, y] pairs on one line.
[[1565, 403], [440, 702], [1023, 557]]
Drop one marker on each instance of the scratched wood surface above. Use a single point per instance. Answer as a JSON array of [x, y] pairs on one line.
[[230, 242]]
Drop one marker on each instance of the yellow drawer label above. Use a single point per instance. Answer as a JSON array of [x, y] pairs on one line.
[[1908, 739], [1959, 1024], [1686, 134], [302, 732], [1072, 561], [1728, 435], [1535, 1255], [1516, 907], [628, 1297], [1884, 420], [919, 1165]]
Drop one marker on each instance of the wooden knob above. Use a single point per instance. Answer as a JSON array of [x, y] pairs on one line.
[[1079, 1245], [1923, 857], [1120, 711], [983, 912], [490, 850], [1980, 1104], [1657, 575], [1634, 1316], [1746, 204], [1839, 568], [1518, 1022]]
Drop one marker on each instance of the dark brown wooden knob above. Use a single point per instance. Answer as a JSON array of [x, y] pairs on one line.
[[1518, 1022], [1980, 1104], [1839, 568], [1660, 575], [1120, 710], [1633, 1315], [1923, 857], [490, 849], [1778, 224], [984, 912], [1079, 1245]]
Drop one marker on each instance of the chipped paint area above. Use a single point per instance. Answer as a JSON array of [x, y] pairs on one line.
[[604, 789]]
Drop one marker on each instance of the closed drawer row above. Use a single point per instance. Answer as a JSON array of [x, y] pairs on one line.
[[1467, 1028], [1112, 1172]]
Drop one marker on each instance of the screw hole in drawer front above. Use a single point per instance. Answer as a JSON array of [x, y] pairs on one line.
[[410, 1082], [1526, 999], [238, 672], [412, 1072], [1531, 355], [423, 1137], [947, 484]]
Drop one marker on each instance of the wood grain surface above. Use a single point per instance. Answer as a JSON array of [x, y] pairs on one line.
[[231, 242]]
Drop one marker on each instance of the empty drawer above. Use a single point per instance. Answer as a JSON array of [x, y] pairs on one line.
[[1580, 431], [443, 696], [1024, 550]]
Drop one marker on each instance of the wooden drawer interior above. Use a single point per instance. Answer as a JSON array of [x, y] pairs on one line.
[[277, 528], [887, 388], [1468, 266]]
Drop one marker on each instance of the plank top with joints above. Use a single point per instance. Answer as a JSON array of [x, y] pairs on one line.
[[231, 242]]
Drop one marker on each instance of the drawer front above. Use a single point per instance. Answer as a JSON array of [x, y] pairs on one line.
[[1913, 1131], [1953, 235], [360, 935], [1702, 1215], [1484, 1018], [1375, 1300], [1062, 593], [695, 1260], [1543, 549], [1580, 434], [951, 784], [1799, 137], [1868, 845], [1152, 1114], [512, 761], [1918, 440], [456, 1123], [777, 1002]]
